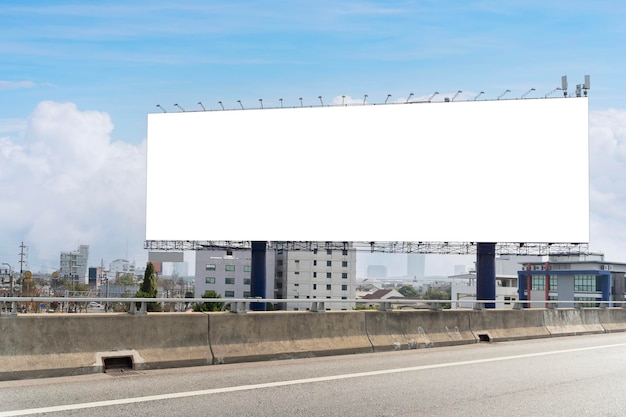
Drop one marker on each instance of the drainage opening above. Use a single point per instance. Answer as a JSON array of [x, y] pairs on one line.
[[118, 363], [484, 338]]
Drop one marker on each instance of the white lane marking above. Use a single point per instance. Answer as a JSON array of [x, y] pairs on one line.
[[122, 401]]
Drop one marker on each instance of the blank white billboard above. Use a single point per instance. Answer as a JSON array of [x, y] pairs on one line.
[[481, 171]]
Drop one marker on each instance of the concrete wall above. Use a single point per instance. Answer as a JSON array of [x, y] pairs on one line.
[[44, 345]]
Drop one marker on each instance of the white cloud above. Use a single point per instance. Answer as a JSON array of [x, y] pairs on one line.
[[14, 85], [607, 159], [68, 184]]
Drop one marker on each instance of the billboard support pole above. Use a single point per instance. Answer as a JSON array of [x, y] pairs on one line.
[[486, 273], [257, 274]]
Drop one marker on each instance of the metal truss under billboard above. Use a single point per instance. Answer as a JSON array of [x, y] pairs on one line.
[[476, 171]]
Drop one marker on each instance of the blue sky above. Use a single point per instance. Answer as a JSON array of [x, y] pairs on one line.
[[77, 80]]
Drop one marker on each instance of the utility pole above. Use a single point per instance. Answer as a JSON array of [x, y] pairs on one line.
[[22, 261]]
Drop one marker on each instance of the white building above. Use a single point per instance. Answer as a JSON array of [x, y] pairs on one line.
[[120, 267], [73, 265], [227, 272], [315, 275]]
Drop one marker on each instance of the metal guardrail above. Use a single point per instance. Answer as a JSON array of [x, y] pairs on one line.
[[10, 306]]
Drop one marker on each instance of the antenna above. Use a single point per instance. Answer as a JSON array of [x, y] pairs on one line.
[[410, 95], [431, 97], [161, 107], [478, 95], [177, 105], [201, 105], [501, 95], [587, 84], [564, 85]]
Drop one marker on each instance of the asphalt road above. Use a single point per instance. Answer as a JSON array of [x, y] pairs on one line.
[[564, 376]]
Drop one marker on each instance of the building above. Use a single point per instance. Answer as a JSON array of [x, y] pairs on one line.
[[587, 279], [315, 275], [463, 289], [416, 265], [120, 267], [73, 265], [227, 272]]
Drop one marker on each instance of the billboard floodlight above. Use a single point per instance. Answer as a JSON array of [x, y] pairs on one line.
[[409, 98], [431, 97], [502, 95], [161, 107], [456, 95], [388, 96], [527, 93], [222, 105], [551, 92], [179, 106], [478, 95], [364, 98], [201, 105], [239, 101]]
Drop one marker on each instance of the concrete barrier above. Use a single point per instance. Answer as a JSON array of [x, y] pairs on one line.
[[38, 345], [398, 330], [613, 319], [283, 335], [501, 325], [572, 321]]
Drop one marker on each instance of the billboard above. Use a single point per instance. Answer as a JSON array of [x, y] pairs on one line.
[[475, 171]]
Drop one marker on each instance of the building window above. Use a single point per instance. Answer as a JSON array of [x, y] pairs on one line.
[[279, 274], [329, 251], [296, 273], [328, 287], [329, 263], [314, 262], [246, 281], [344, 264], [314, 286], [329, 275], [279, 262], [585, 283], [246, 294], [209, 280], [296, 284], [229, 294], [315, 251], [554, 283], [247, 268], [229, 252], [344, 288], [344, 275], [314, 274], [344, 298], [538, 282], [344, 252], [230, 268], [210, 267], [229, 281]]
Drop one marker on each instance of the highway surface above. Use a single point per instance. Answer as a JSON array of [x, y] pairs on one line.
[[563, 376]]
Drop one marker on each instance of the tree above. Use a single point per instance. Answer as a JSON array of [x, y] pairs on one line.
[[148, 287], [409, 291], [209, 306]]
